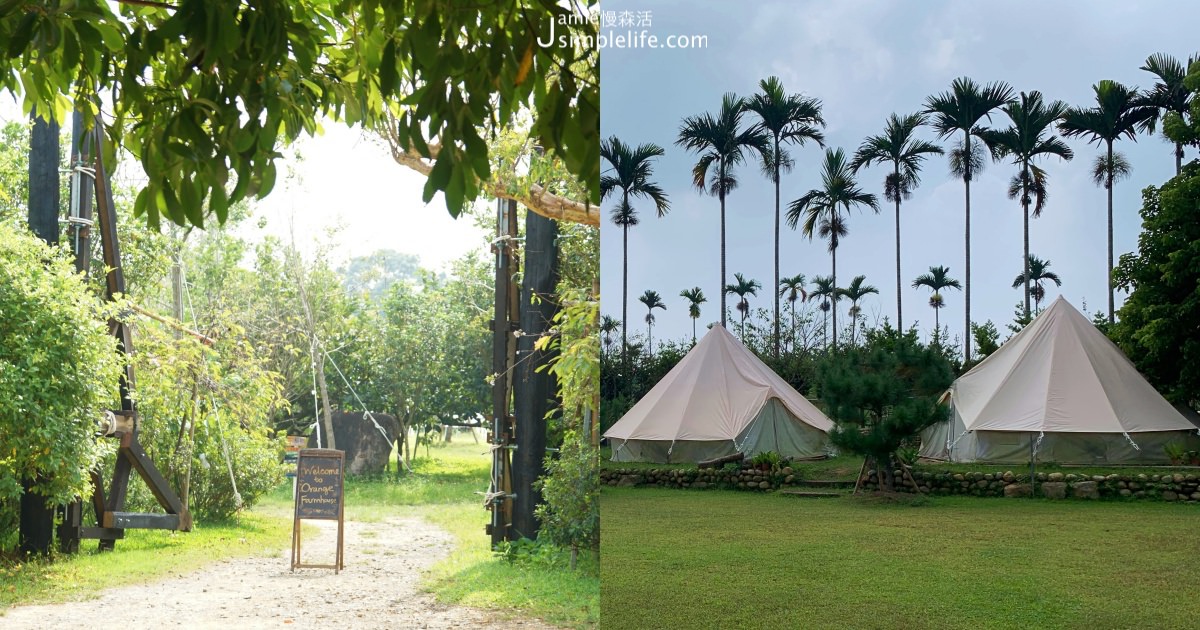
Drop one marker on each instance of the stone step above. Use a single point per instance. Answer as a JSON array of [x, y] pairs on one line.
[[825, 483], [809, 494]]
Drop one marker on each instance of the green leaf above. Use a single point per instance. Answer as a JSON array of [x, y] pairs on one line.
[[387, 68]]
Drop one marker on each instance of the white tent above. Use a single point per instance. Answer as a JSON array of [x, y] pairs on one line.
[[718, 400], [1059, 391]]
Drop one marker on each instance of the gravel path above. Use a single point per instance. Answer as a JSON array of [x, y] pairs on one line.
[[379, 588]]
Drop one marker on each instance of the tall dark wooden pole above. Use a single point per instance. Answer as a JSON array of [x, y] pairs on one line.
[[36, 527], [534, 388], [499, 492]]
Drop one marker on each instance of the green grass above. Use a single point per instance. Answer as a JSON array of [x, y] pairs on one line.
[[677, 559], [474, 576], [143, 555]]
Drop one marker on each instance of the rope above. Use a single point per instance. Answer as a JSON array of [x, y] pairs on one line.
[[1037, 446], [237, 497], [366, 413], [955, 442], [1131, 442]]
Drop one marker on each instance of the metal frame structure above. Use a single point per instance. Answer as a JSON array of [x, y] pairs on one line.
[[111, 518]]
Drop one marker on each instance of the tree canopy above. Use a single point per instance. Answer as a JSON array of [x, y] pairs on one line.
[[199, 90], [1158, 322]]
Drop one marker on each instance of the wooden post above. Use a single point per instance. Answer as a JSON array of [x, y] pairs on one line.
[[534, 387]]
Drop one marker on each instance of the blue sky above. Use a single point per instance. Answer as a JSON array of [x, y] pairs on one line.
[[865, 60]]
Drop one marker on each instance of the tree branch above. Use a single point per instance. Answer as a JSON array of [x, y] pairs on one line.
[[537, 198]]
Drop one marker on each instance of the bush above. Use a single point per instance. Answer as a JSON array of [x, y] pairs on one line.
[[194, 402], [59, 371]]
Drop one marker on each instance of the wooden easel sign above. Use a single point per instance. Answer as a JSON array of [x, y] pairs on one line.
[[318, 497]]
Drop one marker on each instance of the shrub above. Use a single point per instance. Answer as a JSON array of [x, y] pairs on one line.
[[59, 372]]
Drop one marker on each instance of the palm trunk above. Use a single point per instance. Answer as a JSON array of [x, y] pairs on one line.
[[899, 299], [1025, 207], [967, 325], [721, 287], [693, 331], [775, 288], [1178, 162], [833, 252], [792, 333], [649, 339], [1108, 271], [937, 325], [625, 300]]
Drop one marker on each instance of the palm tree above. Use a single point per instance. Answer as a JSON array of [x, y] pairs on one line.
[[785, 118], [937, 279], [1038, 271], [608, 326], [960, 109], [855, 292], [629, 172], [722, 144], [823, 207], [824, 289], [1118, 112], [742, 288], [794, 288], [1024, 141], [696, 297], [898, 145], [1168, 95], [652, 300]]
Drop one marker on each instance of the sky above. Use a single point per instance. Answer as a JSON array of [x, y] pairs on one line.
[[345, 182], [865, 59]]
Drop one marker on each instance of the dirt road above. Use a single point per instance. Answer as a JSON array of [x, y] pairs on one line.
[[379, 588]]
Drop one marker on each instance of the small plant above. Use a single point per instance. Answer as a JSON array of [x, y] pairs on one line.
[[1175, 452], [766, 460], [1193, 458]]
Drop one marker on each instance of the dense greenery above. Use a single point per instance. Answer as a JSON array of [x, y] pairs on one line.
[[58, 374], [1158, 322], [204, 93]]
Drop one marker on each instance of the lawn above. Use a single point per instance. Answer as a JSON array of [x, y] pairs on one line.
[[683, 559]]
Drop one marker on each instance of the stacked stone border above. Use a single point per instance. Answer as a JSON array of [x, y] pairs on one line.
[[1171, 486]]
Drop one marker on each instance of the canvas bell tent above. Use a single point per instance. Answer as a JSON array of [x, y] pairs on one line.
[[1058, 391], [719, 399]]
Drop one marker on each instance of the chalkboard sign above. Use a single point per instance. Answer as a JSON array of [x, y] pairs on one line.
[[319, 484], [318, 496]]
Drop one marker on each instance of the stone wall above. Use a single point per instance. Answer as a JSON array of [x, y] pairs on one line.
[[1055, 485], [727, 477]]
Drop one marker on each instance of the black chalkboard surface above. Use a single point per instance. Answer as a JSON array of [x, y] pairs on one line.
[[319, 485]]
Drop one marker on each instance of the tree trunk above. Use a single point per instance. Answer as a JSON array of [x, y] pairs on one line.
[[535, 388], [625, 298], [937, 325], [721, 287], [775, 287], [1108, 270], [186, 487], [899, 289], [1025, 207], [326, 411], [833, 305], [967, 231], [693, 331], [1178, 159], [649, 337]]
